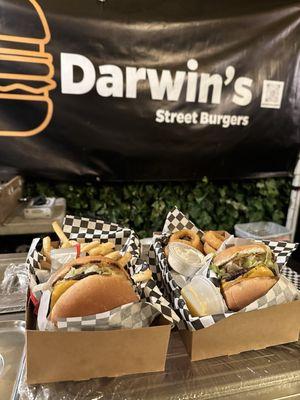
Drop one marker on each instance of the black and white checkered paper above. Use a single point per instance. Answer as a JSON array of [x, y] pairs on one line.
[[134, 315], [292, 276], [34, 258], [282, 292]]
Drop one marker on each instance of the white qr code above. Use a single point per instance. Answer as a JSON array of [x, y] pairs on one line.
[[272, 94]]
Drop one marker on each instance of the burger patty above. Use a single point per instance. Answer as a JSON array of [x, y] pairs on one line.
[[80, 276], [232, 271], [230, 276], [240, 265]]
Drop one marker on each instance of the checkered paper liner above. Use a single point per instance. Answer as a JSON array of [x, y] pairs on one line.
[[282, 292], [127, 316], [292, 276], [125, 240]]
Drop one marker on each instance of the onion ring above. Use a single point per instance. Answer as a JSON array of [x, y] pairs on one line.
[[213, 238], [208, 249], [188, 237]]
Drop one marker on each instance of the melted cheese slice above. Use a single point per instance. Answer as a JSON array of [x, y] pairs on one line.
[[195, 302], [260, 270], [60, 289]]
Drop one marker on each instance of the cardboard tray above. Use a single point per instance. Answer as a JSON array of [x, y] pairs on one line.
[[74, 356], [253, 330]]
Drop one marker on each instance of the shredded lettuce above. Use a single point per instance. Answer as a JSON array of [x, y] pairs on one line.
[[217, 270], [88, 269], [244, 263]]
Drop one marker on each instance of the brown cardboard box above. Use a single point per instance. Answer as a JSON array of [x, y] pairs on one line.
[[245, 331], [10, 193], [64, 356]]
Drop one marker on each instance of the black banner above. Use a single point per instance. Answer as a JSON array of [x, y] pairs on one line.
[[149, 90]]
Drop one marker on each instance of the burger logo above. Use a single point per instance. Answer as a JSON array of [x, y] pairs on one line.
[[31, 80]]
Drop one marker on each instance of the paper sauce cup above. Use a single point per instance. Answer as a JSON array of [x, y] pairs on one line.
[[184, 259], [203, 298]]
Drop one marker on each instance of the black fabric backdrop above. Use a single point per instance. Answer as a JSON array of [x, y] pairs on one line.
[[117, 138]]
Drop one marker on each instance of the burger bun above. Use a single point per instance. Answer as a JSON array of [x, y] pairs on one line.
[[242, 293], [92, 295]]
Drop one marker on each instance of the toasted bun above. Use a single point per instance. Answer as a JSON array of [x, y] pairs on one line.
[[92, 295], [243, 292], [227, 255]]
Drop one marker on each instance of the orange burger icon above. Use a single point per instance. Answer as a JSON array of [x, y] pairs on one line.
[[26, 72]]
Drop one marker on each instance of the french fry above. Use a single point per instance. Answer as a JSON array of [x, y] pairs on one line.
[[95, 251], [102, 249], [142, 276], [46, 244], [57, 229], [115, 255], [107, 248], [124, 260], [47, 247], [89, 246]]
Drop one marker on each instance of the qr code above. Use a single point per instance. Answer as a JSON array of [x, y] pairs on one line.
[[272, 94]]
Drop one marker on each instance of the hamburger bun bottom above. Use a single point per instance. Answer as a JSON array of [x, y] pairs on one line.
[[245, 291]]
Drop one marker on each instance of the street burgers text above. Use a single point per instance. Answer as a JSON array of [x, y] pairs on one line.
[[202, 118]]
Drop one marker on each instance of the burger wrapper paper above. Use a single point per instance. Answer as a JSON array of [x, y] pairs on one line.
[[285, 290], [134, 315]]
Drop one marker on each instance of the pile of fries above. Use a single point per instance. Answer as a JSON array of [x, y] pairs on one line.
[[94, 248]]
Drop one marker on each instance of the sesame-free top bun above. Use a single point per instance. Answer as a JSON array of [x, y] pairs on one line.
[[227, 255], [92, 295]]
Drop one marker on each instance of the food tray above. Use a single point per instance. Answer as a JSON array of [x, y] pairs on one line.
[[12, 340], [6, 259]]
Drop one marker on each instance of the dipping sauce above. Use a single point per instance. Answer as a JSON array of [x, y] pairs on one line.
[[185, 259], [203, 298]]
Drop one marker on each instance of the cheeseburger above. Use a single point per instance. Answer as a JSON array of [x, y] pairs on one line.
[[26, 70], [246, 272], [89, 285]]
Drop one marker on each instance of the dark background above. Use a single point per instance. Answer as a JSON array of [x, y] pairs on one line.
[[117, 139]]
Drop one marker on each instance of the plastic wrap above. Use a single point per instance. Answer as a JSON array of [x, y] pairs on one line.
[[13, 288], [274, 371]]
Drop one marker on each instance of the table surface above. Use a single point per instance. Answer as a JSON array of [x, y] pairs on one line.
[[17, 224]]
